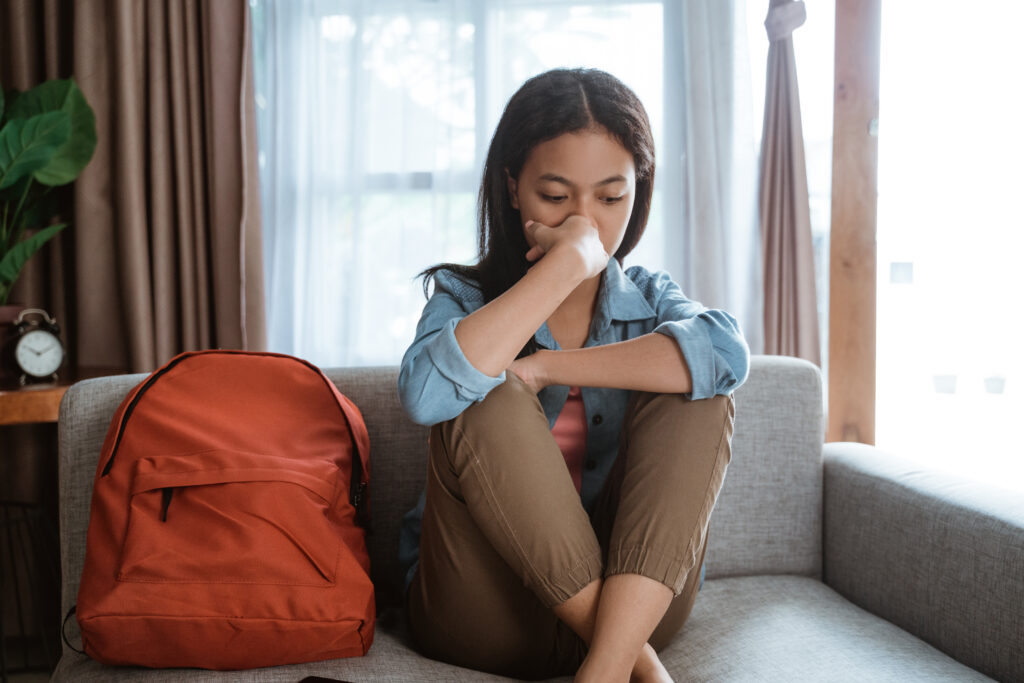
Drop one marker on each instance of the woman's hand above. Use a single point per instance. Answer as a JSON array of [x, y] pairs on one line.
[[531, 370], [491, 336], [576, 233]]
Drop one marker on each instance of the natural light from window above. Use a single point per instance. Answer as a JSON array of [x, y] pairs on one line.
[[374, 124], [950, 380]]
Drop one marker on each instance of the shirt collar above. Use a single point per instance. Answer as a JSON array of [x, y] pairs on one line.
[[619, 298]]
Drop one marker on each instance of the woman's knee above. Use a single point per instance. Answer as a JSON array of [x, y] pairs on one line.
[[676, 419], [506, 404], [507, 411], [645, 404]]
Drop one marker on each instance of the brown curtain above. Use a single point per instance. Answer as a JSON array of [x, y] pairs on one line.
[[790, 299], [163, 253]]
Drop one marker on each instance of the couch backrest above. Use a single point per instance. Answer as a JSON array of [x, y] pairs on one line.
[[767, 518]]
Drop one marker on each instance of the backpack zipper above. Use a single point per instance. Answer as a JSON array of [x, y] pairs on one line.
[[128, 412], [166, 493], [357, 494], [357, 489]]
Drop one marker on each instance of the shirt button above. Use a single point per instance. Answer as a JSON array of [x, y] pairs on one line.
[[591, 464], [597, 419]]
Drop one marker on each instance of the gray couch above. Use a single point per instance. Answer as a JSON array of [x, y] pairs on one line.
[[842, 565]]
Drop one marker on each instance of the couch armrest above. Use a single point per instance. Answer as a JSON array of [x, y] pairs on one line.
[[939, 556]]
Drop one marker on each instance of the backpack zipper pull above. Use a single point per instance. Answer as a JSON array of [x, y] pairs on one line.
[[166, 503], [359, 503]]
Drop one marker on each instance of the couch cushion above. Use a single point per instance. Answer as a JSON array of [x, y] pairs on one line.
[[756, 628], [794, 628], [767, 519]]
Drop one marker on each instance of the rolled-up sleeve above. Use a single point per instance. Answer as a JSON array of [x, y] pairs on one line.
[[711, 341], [436, 382]]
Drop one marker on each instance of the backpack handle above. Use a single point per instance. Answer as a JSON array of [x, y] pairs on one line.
[[64, 635]]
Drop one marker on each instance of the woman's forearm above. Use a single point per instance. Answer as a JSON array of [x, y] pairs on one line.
[[652, 362], [492, 336]]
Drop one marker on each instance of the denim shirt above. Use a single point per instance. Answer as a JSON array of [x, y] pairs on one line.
[[436, 381]]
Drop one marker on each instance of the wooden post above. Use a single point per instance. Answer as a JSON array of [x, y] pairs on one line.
[[851, 394]]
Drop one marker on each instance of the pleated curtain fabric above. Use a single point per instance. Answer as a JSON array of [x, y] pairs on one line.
[[717, 239], [164, 249], [163, 252], [790, 299]]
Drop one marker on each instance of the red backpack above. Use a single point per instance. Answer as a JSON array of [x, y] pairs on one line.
[[227, 520]]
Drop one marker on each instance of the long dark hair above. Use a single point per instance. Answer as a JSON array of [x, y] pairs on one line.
[[546, 106]]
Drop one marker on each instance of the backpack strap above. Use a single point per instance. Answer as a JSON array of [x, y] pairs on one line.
[[64, 635], [361, 461]]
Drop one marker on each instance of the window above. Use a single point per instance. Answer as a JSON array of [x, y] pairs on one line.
[[374, 123], [950, 383]]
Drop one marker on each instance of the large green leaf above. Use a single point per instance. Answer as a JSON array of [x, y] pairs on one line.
[[1, 102], [28, 145], [75, 153], [13, 260]]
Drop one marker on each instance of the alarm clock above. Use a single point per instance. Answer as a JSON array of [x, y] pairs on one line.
[[35, 349]]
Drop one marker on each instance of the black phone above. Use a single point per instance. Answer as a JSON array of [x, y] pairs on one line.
[[321, 679]]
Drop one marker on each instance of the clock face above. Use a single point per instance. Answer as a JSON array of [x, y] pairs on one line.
[[39, 353]]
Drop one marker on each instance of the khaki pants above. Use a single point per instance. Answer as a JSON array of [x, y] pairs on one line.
[[505, 536]]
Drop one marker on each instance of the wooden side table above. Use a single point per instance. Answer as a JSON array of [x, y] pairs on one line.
[[37, 403], [31, 404]]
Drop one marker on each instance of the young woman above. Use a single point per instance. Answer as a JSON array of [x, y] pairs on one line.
[[582, 414]]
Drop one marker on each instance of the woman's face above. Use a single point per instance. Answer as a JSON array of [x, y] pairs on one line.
[[586, 173]]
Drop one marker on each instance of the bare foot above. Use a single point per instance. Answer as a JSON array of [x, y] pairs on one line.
[[648, 668]]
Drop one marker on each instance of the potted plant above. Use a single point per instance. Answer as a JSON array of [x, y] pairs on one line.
[[47, 136]]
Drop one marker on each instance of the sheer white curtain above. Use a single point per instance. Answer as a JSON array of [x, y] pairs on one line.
[[717, 247], [368, 158], [374, 122]]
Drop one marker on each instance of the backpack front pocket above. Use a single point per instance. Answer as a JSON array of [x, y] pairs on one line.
[[229, 517]]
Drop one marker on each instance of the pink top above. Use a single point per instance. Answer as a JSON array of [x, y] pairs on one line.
[[570, 432]]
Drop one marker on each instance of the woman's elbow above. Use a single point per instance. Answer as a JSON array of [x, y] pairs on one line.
[[741, 366], [734, 365], [418, 406], [420, 415], [426, 408]]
